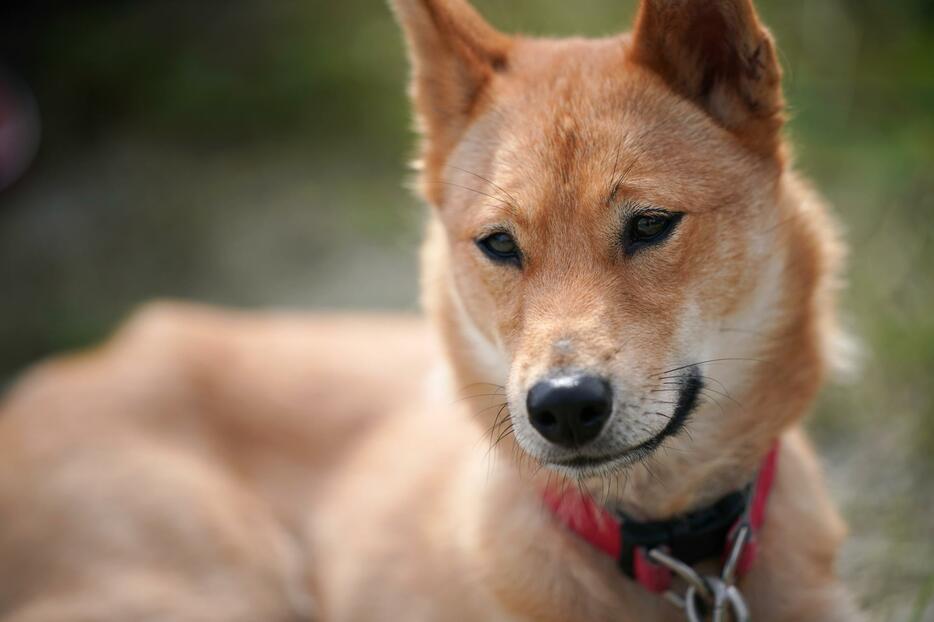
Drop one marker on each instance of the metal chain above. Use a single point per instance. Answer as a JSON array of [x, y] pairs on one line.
[[716, 595]]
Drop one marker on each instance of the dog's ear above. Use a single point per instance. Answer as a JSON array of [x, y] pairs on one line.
[[454, 54], [718, 54]]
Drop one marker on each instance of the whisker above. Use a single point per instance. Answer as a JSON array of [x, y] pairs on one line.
[[715, 392], [687, 432], [499, 405], [470, 397], [503, 435], [619, 179], [726, 392], [512, 208], [677, 450], [715, 401], [652, 475], [700, 376], [497, 387], [716, 360], [538, 468], [496, 423], [508, 195], [724, 395]]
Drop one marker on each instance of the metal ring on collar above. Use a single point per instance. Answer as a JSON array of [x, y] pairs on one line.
[[724, 596]]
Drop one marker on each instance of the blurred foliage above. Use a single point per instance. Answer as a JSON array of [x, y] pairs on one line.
[[253, 153]]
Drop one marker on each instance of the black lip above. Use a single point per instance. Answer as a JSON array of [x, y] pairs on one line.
[[687, 402], [584, 462]]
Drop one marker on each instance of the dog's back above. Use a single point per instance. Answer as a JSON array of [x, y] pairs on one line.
[[170, 473]]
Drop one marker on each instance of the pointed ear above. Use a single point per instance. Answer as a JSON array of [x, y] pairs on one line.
[[718, 54], [454, 53]]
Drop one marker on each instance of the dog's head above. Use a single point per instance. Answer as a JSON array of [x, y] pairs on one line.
[[607, 238]]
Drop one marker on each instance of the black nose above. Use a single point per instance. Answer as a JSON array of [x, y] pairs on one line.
[[570, 410]]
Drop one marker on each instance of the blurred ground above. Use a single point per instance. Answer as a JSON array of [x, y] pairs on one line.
[[252, 153]]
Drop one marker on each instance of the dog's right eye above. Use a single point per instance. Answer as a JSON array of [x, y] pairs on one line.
[[501, 248]]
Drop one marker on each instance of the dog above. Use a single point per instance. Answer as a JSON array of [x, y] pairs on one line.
[[631, 305]]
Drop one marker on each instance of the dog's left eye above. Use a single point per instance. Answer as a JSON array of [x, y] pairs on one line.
[[500, 247], [649, 228]]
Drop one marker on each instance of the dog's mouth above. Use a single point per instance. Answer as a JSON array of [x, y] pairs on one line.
[[589, 465]]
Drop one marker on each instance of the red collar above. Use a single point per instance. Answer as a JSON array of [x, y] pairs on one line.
[[693, 537]]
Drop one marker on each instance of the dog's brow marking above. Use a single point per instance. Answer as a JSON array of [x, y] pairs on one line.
[[620, 177]]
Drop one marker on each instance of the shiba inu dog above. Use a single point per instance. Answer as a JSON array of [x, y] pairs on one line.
[[633, 297]]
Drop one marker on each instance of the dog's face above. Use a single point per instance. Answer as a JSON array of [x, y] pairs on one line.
[[607, 208]]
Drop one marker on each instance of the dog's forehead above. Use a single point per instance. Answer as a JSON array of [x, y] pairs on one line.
[[572, 121], [579, 141]]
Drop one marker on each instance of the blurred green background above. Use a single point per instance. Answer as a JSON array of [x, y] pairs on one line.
[[253, 153]]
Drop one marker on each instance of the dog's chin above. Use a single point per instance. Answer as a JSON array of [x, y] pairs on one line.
[[582, 467]]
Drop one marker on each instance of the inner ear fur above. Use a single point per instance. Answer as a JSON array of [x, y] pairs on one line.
[[717, 54], [454, 53]]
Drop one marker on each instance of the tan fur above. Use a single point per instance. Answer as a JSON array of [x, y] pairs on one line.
[[206, 465]]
